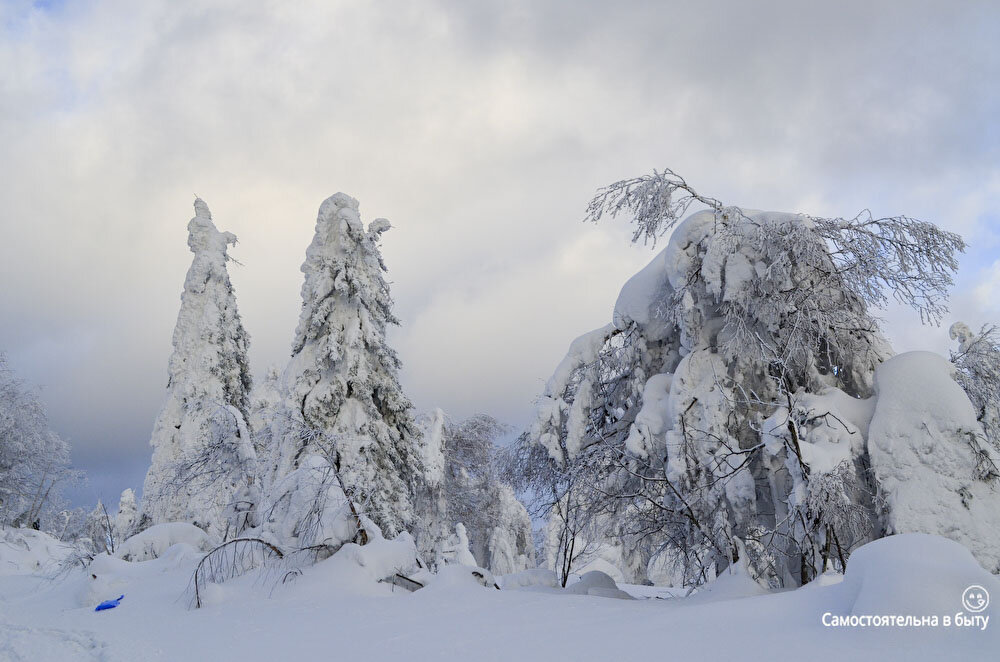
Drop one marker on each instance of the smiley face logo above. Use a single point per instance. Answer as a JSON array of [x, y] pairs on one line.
[[975, 599]]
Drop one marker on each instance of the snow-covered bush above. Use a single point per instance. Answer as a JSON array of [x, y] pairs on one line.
[[456, 548], [309, 508], [127, 519], [926, 446]]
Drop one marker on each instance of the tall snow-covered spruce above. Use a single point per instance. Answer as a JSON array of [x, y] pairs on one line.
[[203, 456], [343, 401]]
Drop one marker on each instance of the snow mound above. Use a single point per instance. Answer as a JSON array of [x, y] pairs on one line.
[[733, 584], [597, 583], [356, 569], [461, 577], [107, 576], [26, 551], [913, 573], [156, 540], [530, 578]]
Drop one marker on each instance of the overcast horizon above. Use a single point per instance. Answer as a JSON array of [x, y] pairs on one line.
[[480, 130]]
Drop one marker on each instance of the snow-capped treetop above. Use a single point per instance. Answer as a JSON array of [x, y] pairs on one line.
[[203, 237], [342, 258]]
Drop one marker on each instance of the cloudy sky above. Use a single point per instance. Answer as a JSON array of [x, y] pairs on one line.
[[480, 130]]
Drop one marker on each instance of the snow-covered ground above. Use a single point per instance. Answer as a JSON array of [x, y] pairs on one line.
[[334, 611]]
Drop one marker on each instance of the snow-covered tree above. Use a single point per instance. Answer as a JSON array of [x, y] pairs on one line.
[[433, 523], [127, 519], [342, 398], [34, 460], [727, 405], [456, 548], [929, 456], [462, 485], [203, 455], [99, 529]]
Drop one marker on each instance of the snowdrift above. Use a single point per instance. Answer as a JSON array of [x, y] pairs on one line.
[[339, 604], [156, 540], [26, 552]]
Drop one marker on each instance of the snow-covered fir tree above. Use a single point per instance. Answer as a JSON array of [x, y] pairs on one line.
[[343, 409], [203, 456], [127, 519], [741, 398], [99, 529]]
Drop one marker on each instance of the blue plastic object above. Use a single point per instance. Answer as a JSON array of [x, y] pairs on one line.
[[109, 604]]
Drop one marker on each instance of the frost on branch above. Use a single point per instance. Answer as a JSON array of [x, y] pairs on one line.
[[977, 364], [873, 258]]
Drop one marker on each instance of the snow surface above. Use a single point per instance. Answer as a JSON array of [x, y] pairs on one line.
[[337, 608]]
